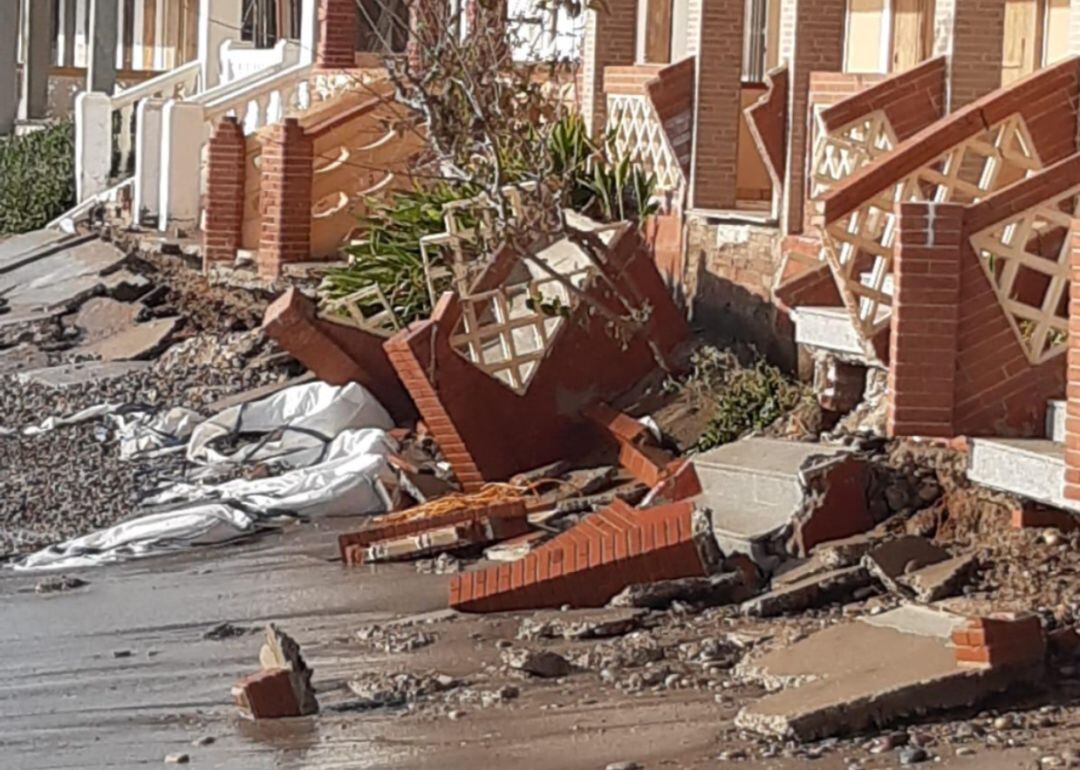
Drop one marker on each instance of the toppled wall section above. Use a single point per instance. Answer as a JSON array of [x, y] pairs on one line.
[[521, 413], [336, 352]]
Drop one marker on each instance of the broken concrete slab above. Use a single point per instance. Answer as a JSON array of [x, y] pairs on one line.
[[21, 249], [22, 356], [582, 624], [52, 284], [845, 552], [110, 330], [82, 373], [764, 491], [888, 670], [543, 664], [815, 590], [893, 559], [941, 580], [713, 591]]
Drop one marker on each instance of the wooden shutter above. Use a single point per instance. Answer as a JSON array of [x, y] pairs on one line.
[[1022, 45]]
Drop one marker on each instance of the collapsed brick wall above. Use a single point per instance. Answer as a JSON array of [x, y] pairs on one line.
[[767, 120], [730, 271], [672, 95], [337, 353], [488, 431]]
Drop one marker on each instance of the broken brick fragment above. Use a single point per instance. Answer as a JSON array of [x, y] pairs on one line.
[[590, 563], [1002, 639], [501, 520], [1028, 514], [267, 695]]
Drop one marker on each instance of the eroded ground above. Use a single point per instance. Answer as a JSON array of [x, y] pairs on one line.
[[118, 674]]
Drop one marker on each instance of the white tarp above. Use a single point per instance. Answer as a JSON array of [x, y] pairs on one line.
[[332, 440]]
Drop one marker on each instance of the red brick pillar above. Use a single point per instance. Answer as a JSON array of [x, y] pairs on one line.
[[972, 34], [812, 39], [925, 319], [224, 192], [609, 42], [337, 34], [285, 197], [718, 46], [1072, 386]]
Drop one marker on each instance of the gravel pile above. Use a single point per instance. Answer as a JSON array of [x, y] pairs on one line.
[[71, 480]]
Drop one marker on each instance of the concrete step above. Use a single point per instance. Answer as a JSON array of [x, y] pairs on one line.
[[1055, 421], [828, 328], [1030, 467], [754, 489]]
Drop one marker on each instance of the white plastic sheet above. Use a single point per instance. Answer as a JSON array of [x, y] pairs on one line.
[[331, 440]]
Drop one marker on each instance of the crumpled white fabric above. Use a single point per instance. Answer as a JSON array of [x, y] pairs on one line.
[[307, 416], [333, 442], [146, 434]]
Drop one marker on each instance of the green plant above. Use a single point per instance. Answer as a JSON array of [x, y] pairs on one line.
[[37, 177], [751, 399], [389, 256]]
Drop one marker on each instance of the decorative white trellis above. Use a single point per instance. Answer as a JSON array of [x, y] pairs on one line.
[[1032, 287], [367, 309], [840, 153], [639, 134], [507, 331], [859, 245]]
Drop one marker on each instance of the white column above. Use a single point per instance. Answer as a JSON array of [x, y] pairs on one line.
[[9, 87], [148, 160], [183, 135], [215, 27], [309, 30], [93, 143]]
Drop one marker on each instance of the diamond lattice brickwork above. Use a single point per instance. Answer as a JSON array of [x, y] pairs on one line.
[[859, 245], [1026, 258], [840, 153], [639, 134]]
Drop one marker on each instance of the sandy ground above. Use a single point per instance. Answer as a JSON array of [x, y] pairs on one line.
[[117, 674]]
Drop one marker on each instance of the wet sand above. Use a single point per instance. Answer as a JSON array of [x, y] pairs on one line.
[[68, 701]]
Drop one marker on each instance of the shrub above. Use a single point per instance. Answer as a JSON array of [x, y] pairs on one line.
[[37, 177], [750, 399]]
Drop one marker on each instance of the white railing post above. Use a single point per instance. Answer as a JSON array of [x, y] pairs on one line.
[[148, 161], [219, 20], [182, 138], [93, 143], [309, 30]]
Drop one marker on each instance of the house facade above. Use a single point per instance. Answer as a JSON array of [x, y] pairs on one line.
[[759, 73]]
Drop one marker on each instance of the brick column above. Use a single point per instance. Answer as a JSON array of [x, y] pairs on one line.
[[285, 197], [925, 319], [1072, 382], [812, 39], [716, 40], [226, 153], [337, 34], [610, 40], [971, 33]]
